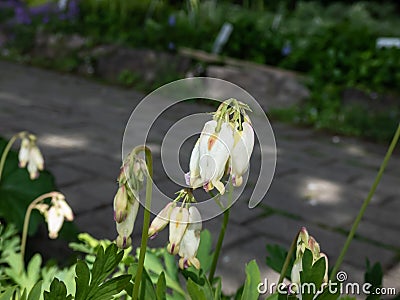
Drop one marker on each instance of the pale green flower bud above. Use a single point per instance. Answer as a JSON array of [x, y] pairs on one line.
[[125, 228], [305, 241], [161, 220], [121, 204]]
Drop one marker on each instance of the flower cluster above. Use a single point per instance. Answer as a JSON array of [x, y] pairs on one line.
[[55, 213], [184, 229], [126, 200], [305, 241], [224, 148], [29, 155]]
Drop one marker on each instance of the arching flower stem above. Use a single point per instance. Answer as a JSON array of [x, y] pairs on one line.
[[146, 218], [7, 150]]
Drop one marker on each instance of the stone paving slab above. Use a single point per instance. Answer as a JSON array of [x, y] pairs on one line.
[[320, 179], [325, 203], [330, 242], [233, 260]]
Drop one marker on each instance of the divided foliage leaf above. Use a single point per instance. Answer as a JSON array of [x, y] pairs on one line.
[[92, 284], [373, 275], [312, 274], [58, 291]]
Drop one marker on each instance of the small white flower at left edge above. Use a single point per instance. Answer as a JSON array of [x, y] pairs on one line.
[[23, 155], [29, 155], [191, 240], [125, 228], [56, 214]]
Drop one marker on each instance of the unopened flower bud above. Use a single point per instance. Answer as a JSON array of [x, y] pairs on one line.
[[304, 241], [161, 220], [120, 204]]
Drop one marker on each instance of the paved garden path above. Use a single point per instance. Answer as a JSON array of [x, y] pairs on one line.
[[320, 179]]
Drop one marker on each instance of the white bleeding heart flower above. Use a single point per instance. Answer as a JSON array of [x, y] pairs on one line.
[[179, 219], [214, 152], [241, 152], [191, 240], [29, 155], [56, 214], [55, 220]]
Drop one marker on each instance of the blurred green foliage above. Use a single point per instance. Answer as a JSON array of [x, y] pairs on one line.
[[332, 43]]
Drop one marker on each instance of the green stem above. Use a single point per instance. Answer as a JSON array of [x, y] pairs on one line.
[[293, 247], [365, 203], [7, 150], [27, 217], [221, 236], [146, 220]]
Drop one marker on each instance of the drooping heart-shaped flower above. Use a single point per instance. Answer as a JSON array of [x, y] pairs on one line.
[[241, 152]]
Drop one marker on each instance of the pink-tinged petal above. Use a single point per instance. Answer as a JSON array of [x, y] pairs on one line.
[[187, 178]]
